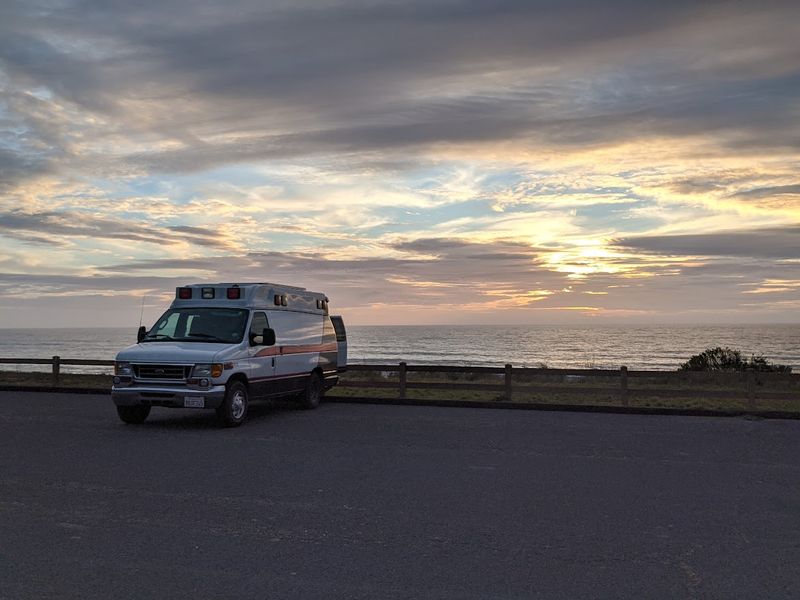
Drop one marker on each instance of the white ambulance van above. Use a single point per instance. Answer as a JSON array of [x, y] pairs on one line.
[[221, 345]]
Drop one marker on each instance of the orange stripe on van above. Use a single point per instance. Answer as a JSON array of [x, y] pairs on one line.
[[280, 350]]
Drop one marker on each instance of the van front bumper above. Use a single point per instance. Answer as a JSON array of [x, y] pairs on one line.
[[168, 396]]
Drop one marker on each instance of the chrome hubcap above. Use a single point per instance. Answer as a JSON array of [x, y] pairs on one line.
[[237, 405]]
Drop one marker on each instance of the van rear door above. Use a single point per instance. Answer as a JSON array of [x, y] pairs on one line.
[[341, 342]]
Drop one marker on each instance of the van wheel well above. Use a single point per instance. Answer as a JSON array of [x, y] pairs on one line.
[[238, 377]]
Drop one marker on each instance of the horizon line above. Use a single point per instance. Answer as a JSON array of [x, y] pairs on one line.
[[607, 324]]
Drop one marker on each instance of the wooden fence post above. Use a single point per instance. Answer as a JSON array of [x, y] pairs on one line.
[[508, 383], [56, 369], [751, 390], [402, 376], [623, 385]]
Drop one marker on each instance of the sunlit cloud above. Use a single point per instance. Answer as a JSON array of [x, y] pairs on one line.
[[775, 286]]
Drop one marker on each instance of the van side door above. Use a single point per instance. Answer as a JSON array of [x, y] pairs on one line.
[[262, 357], [299, 336]]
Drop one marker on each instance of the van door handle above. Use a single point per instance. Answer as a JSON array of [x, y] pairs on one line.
[[273, 361]]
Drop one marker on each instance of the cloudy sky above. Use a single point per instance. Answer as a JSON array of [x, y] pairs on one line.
[[420, 161]]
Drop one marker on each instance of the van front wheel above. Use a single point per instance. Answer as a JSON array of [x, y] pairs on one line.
[[133, 415], [233, 410], [312, 396]]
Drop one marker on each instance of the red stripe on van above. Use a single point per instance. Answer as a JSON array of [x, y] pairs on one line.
[[278, 350]]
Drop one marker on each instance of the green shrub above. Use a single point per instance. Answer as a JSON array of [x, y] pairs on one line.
[[726, 359]]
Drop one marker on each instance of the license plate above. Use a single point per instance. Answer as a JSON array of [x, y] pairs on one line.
[[194, 402]]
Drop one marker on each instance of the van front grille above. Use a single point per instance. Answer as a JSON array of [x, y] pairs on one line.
[[164, 372]]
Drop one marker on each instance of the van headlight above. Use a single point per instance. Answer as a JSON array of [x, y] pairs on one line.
[[123, 368], [212, 370]]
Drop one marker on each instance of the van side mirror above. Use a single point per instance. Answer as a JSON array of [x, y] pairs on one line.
[[141, 333], [267, 338]]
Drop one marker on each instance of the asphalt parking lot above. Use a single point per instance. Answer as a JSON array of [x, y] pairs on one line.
[[359, 501]]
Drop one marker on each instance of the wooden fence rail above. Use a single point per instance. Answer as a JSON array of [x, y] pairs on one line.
[[512, 383]]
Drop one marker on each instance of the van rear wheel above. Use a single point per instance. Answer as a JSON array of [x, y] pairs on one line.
[[133, 415], [314, 392], [233, 410]]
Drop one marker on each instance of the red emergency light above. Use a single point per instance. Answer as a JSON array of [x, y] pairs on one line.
[[184, 293], [234, 293]]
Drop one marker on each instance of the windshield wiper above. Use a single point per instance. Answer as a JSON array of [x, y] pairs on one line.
[[207, 336], [158, 337]]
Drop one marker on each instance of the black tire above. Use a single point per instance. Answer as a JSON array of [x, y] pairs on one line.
[[133, 415], [233, 410], [314, 392]]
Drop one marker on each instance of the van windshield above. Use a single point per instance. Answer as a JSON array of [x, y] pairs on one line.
[[210, 325]]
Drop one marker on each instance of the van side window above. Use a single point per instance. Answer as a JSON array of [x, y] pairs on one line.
[[259, 323]]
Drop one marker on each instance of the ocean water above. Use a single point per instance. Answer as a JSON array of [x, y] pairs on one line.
[[650, 348]]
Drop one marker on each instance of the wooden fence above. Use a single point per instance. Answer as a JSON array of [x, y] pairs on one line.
[[516, 383], [56, 363]]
